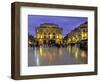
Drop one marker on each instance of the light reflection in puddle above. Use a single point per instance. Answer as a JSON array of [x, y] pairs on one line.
[[43, 56]]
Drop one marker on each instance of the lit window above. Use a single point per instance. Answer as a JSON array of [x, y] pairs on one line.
[[57, 36], [41, 36]]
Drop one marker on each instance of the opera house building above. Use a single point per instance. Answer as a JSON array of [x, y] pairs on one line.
[[49, 33]]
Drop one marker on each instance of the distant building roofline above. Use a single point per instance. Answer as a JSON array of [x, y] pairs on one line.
[[51, 24]]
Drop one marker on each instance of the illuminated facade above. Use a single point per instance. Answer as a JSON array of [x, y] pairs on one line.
[[77, 35], [49, 32]]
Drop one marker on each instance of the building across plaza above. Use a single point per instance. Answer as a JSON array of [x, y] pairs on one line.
[[49, 33], [79, 35]]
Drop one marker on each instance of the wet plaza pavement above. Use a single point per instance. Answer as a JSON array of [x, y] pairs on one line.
[[44, 56]]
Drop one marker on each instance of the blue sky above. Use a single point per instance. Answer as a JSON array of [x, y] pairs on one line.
[[65, 22]]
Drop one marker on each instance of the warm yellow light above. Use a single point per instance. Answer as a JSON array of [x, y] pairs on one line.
[[41, 51], [85, 34], [82, 34], [69, 40], [73, 38], [77, 37], [50, 35], [76, 53], [29, 42], [60, 36], [41, 36], [57, 36], [38, 36], [83, 54]]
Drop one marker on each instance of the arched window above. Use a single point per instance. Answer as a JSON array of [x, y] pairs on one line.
[[44, 36], [44, 33], [53, 33], [53, 36]]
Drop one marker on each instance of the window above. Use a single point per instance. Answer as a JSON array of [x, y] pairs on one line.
[[53, 33], [44, 33], [53, 36]]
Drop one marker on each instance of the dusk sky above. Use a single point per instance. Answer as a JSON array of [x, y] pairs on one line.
[[66, 22]]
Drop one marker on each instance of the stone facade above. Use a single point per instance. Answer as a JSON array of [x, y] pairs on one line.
[[77, 35], [49, 32]]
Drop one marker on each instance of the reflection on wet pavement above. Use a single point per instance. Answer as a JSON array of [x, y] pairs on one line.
[[43, 56]]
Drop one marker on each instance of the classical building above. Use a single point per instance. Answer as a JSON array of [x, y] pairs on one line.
[[77, 35], [49, 32]]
